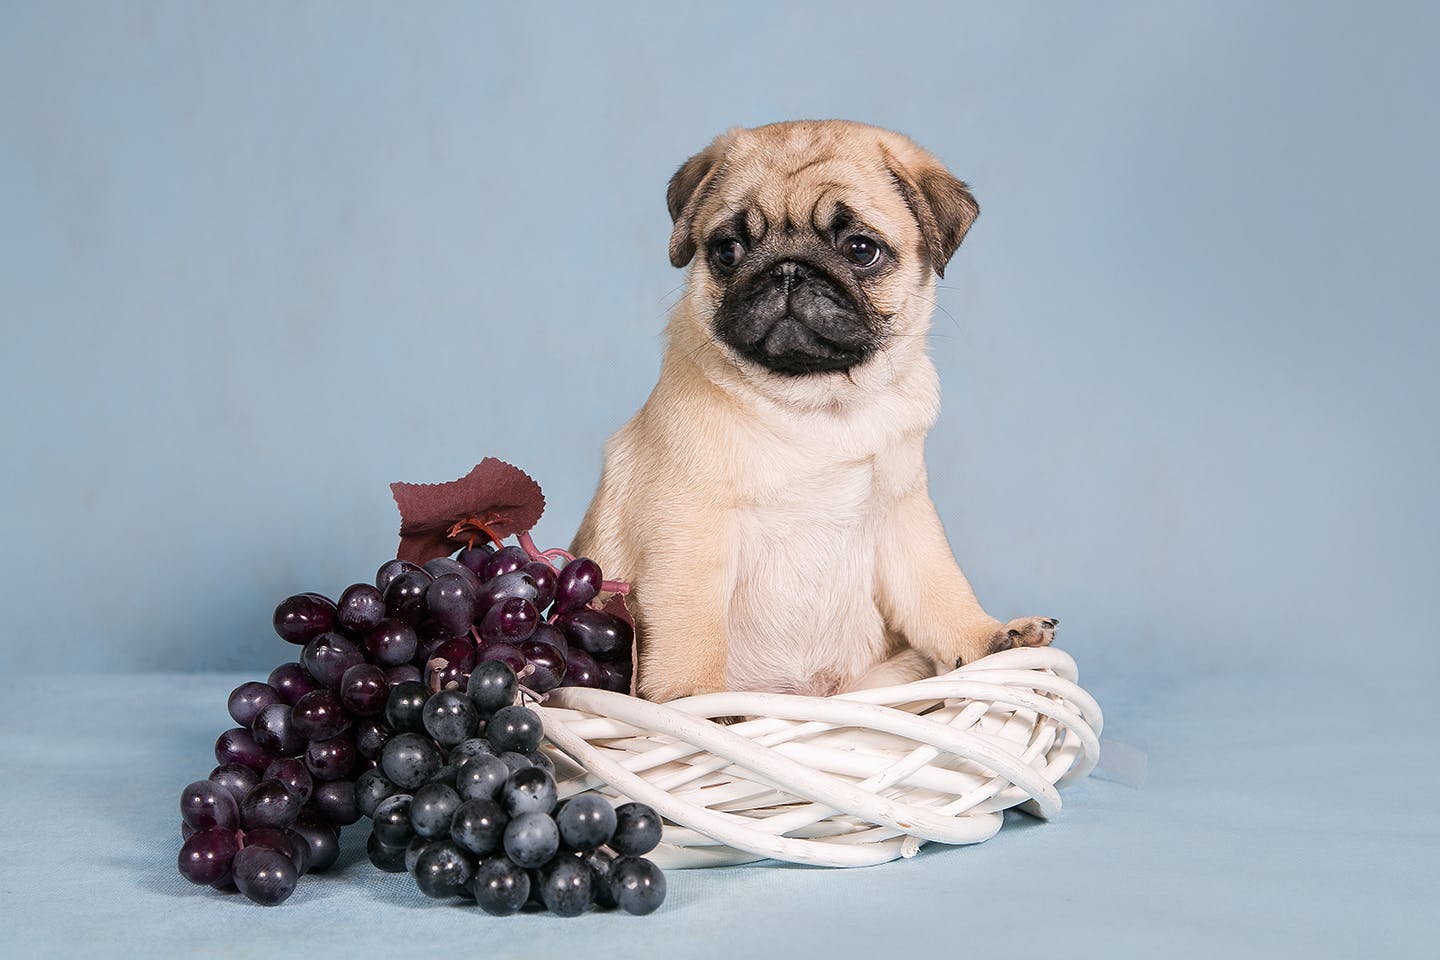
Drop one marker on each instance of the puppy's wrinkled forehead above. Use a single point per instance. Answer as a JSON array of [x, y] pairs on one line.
[[805, 180]]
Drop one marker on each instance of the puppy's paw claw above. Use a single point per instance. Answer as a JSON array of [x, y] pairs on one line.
[[1025, 632]]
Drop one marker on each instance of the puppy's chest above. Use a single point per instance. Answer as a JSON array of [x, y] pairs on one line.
[[802, 614]]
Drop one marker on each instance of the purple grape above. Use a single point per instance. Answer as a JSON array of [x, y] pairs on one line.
[[441, 566], [320, 715], [637, 830], [515, 762], [372, 787], [531, 839], [528, 791], [577, 584], [405, 597], [205, 804], [637, 885], [391, 569], [336, 802], [505, 653], [391, 643], [481, 778], [473, 558], [452, 677], [443, 870], [514, 728], [302, 618], [269, 804], [274, 731], [237, 779], [361, 608], [328, 656], [405, 708], [410, 760], [600, 861], [503, 587], [547, 666], [281, 841], [565, 886], [478, 826], [581, 670], [389, 858], [450, 718], [404, 673], [364, 690], [613, 677], [431, 809], [545, 577], [293, 774], [503, 561], [450, 601], [459, 652], [265, 876], [499, 887], [292, 682], [322, 839], [512, 620], [249, 699], [207, 857], [492, 684], [596, 632], [370, 737], [239, 746], [391, 820], [331, 759], [585, 822]]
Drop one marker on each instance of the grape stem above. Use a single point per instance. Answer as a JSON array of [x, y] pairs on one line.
[[548, 556]]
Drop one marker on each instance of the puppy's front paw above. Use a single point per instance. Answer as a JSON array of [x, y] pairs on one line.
[[1024, 632]]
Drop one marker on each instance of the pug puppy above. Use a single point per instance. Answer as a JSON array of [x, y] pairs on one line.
[[769, 501]]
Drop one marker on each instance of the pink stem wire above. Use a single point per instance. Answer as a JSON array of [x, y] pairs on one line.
[[548, 556]]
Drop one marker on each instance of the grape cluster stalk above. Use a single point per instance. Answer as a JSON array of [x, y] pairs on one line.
[[405, 706]]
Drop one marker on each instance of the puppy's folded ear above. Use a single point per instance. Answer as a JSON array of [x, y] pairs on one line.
[[941, 204], [687, 188]]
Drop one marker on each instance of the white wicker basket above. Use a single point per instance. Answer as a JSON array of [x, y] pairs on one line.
[[845, 781]]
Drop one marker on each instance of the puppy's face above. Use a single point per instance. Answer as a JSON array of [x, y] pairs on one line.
[[815, 244]]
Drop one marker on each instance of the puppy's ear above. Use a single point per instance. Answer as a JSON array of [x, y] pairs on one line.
[[683, 197], [941, 204]]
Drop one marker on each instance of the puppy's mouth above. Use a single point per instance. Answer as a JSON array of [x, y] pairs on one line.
[[792, 319]]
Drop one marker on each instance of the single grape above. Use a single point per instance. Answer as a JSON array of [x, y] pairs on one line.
[[450, 663], [545, 577], [391, 820], [237, 779], [443, 870], [404, 673], [547, 666], [550, 635], [281, 841], [205, 804], [531, 790], [450, 601], [364, 690], [538, 758], [492, 686], [505, 653], [514, 728], [405, 596], [371, 787], [206, 857], [474, 747], [596, 632], [302, 618], [391, 642], [293, 774], [600, 861], [531, 839], [613, 678], [431, 810], [410, 760], [292, 682], [328, 656], [586, 822], [565, 886], [405, 708], [413, 849], [446, 775], [331, 759], [637, 830], [450, 717], [577, 584], [502, 561], [361, 608], [503, 587], [239, 746], [515, 762], [512, 620], [320, 715], [274, 731], [581, 670], [637, 885], [268, 804], [301, 850], [336, 802], [481, 777], [391, 569], [249, 699], [443, 566], [388, 857], [474, 557], [499, 887], [322, 839], [479, 826]]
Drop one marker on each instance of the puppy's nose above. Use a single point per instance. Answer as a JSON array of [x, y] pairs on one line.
[[791, 270]]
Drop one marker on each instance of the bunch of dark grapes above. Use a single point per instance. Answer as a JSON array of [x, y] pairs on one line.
[[472, 815]]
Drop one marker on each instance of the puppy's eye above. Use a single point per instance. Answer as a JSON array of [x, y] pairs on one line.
[[861, 251], [728, 253]]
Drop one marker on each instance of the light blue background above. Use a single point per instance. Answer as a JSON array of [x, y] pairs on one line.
[[257, 261]]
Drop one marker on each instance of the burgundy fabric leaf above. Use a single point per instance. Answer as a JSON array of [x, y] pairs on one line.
[[498, 495]]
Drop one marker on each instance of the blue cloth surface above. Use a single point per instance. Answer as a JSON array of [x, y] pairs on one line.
[[1276, 818]]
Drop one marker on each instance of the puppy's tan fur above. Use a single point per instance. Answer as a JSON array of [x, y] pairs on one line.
[[778, 529]]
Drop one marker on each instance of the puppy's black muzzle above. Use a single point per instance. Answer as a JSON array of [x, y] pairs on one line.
[[793, 317]]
